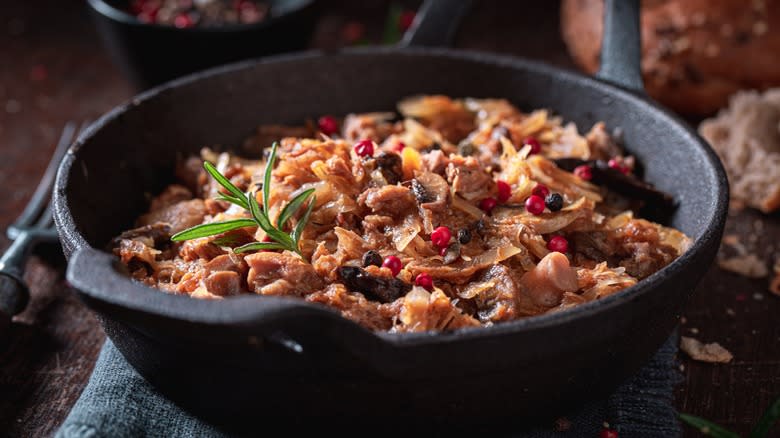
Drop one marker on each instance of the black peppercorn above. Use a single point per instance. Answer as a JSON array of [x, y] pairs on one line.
[[554, 201], [464, 236], [372, 258], [465, 148]]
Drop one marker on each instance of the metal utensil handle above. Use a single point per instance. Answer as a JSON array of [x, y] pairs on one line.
[[621, 45], [13, 292], [436, 23]]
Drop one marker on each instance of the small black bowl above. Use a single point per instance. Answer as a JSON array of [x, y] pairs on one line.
[[150, 54]]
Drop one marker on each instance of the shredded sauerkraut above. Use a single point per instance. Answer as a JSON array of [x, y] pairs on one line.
[[436, 171]]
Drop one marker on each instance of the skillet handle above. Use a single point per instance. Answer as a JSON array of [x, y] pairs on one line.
[[621, 45], [284, 322], [436, 23]]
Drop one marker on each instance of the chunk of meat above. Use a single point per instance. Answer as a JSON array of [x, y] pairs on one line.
[[281, 274], [179, 216], [135, 249], [495, 294], [544, 285], [173, 194], [469, 179], [372, 126], [422, 310], [139, 244], [435, 161], [388, 200], [223, 283], [640, 247], [354, 306], [202, 248], [602, 145], [151, 234], [226, 262]]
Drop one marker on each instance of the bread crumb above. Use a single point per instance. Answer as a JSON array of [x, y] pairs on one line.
[[747, 266], [758, 296], [730, 311], [711, 353], [746, 139]]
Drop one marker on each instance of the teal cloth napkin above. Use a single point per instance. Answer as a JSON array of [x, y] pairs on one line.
[[117, 402]]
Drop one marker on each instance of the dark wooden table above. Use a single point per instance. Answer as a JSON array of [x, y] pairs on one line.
[[54, 70]]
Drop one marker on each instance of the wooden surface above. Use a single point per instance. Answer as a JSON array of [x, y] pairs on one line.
[[54, 70]]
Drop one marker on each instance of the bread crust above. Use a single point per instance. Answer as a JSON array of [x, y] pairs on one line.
[[696, 53]]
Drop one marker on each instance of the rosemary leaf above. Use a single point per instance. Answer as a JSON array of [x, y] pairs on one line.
[[265, 224], [224, 182], [269, 167], [210, 229], [707, 427], [257, 246], [298, 230], [770, 417], [240, 202], [292, 207]]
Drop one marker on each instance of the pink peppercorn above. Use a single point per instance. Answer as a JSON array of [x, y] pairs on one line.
[[441, 237], [534, 143], [558, 244], [488, 204], [534, 205], [393, 263], [584, 172], [424, 280], [504, 191], [541, 191], [364, 148], [328, 125]]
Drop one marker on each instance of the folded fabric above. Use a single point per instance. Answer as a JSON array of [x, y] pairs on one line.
[[118, 402]]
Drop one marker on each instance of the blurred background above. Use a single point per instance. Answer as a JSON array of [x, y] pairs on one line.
[[73, 60]]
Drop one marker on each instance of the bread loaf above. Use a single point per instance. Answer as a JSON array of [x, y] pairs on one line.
[[696, 53]]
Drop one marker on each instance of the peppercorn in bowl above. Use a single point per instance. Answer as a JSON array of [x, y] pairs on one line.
[[153, 41], [453, 215]]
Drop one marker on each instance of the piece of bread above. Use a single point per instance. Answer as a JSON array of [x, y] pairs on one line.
[[696, 53], [746, 137]]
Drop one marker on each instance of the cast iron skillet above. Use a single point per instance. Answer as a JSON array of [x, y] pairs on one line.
[[237, 359]]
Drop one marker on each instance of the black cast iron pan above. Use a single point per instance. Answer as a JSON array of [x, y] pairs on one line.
[[238, 359]]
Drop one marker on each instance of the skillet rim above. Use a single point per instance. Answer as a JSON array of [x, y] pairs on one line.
[[236, 311]]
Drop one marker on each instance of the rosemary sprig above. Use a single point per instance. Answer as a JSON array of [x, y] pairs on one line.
[[260, 218], [760, 430]]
